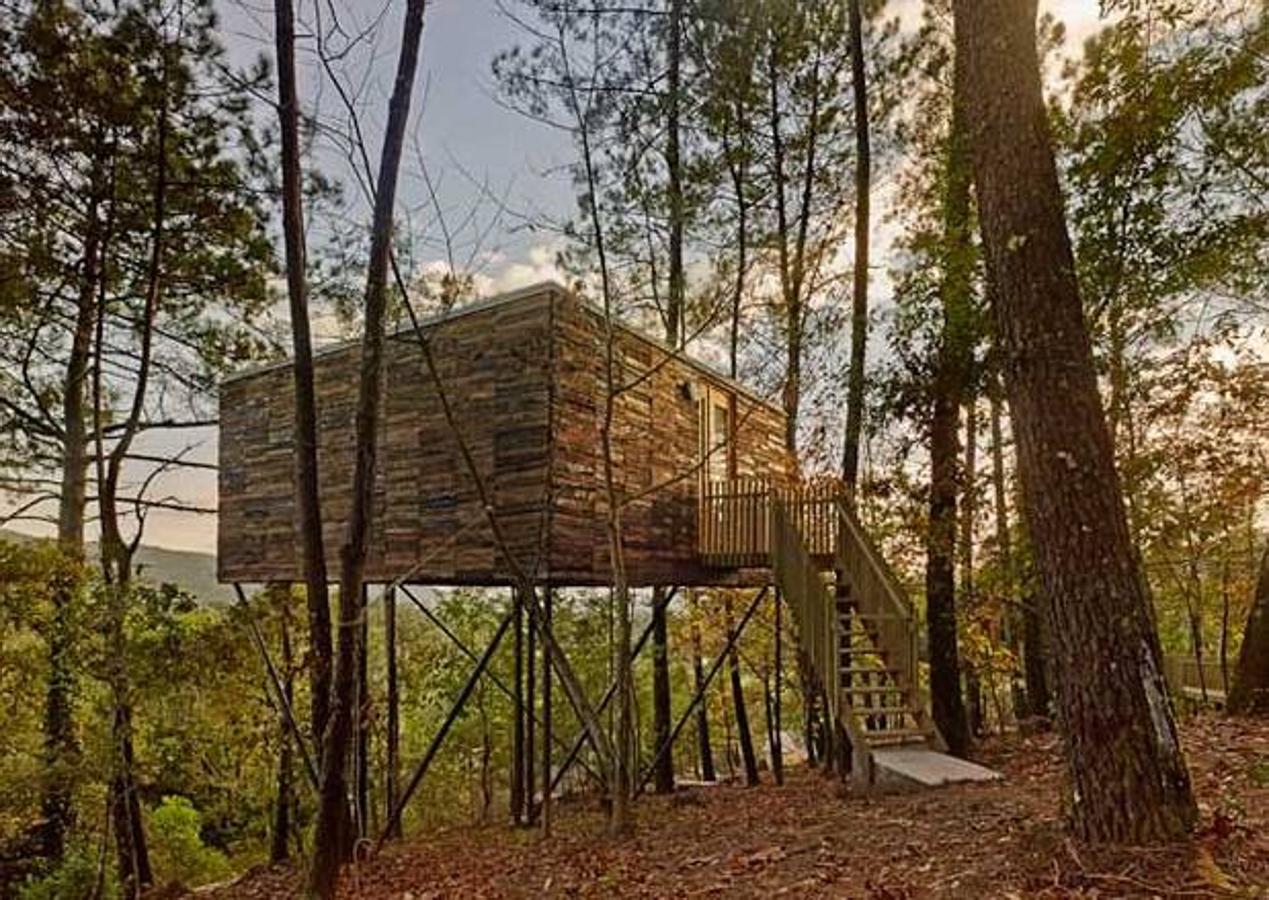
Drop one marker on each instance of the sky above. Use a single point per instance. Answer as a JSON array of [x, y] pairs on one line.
[[473, 148]]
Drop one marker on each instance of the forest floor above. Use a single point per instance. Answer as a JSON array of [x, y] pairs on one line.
[[811, 838]]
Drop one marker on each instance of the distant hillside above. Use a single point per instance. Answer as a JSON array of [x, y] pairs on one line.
[[195, 572]]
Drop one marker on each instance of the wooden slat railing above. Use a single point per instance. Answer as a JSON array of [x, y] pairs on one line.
[[734, 519], [877, 593], [1185, 678]]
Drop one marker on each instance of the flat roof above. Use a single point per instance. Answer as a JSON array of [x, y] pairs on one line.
[[504, 299]]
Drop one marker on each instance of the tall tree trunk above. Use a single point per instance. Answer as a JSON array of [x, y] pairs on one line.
[[1250, 692], [516, 786], [530, 715], [969, 510], [392, 740], [954, 353], [664, 774], [1134, 787], [702, 709], [332, 809], [675, 328], [279, 844], [61, 750], [1012, 622], [117, 553], [743, 733], [675, 324], [777, 729], [361, 724], [859, 281], [548, 604], [308, 513]]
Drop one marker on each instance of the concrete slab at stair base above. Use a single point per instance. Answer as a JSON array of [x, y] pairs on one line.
[[909, 768]]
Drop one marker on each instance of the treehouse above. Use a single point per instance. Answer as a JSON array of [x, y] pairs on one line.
[[525, 377], [508, 431]]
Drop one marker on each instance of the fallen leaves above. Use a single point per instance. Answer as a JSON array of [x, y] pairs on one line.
[[1003, 839]]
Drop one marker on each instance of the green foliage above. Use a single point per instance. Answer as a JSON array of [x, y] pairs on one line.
[[176, 844], [76, 876]]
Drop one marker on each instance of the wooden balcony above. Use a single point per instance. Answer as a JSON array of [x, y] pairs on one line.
[[734, 520]]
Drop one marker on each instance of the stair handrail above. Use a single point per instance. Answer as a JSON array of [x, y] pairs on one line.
[[814, 610], [901, 633]]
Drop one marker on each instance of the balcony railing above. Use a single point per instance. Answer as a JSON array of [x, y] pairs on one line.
[[734, 519]]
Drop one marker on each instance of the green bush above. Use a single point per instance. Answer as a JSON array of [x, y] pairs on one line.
[[177, 849], [74, 877]]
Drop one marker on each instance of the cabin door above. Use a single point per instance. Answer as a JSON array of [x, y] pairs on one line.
[[717, 445]]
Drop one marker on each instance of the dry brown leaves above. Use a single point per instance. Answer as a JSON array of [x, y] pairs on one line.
[[811, 838]]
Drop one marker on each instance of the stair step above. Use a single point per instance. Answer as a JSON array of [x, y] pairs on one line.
[[876, 651], [875, 689], [867, 670], [872, 617], [896, 736], [883, 710]]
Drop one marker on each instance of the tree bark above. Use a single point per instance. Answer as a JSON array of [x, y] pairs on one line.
[[308, 521], [279, 844], [663, 782], [361, 724], [332, 810], [969, 510], [859, 280], [516, 786], [1128, 775], [675, 327], [392, 740], [547, 723], [954, 353], [702, 709], [743, 733], [1250, 692], [1012, 624]]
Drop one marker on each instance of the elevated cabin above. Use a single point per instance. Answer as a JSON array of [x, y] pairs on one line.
[[711, 497], [525, 375]]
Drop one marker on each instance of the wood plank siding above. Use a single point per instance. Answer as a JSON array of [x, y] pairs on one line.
[[526, 375]]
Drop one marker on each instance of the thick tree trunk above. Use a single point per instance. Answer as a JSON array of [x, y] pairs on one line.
[[954, 354], [859, 280], [1128, 775], [332, 810], [308, 522], [1250, 693], [743, 733], [664, 775]]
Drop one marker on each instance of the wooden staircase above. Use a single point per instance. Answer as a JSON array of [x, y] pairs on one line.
[[857, 637]]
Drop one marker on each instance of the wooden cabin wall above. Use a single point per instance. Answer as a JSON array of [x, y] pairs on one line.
[[495, 364], [656, 450]]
